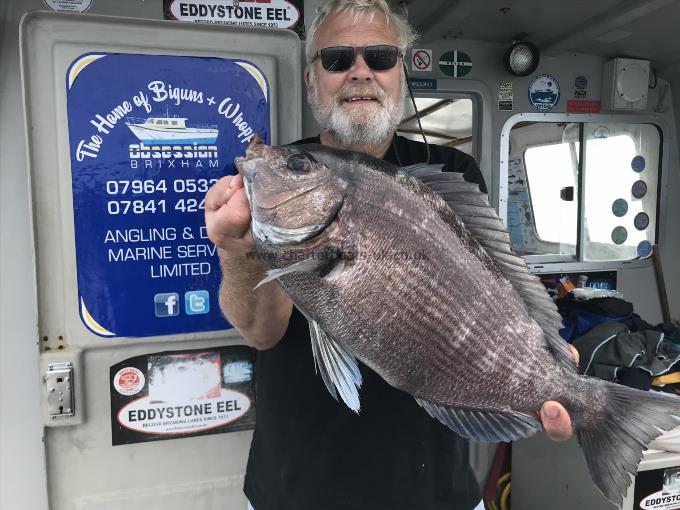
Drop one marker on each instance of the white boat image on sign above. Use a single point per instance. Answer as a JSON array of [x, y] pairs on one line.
[[170, 130]]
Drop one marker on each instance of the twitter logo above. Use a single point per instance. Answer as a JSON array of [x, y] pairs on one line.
[[197, 302]]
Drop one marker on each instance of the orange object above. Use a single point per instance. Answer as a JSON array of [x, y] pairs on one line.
[[565, 286]]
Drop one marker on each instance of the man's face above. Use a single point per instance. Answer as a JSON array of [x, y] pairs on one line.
[[359, 106]]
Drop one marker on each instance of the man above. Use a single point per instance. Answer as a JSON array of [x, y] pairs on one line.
[[309, 451]]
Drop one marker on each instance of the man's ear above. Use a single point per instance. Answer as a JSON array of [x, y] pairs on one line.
[[306, 75]]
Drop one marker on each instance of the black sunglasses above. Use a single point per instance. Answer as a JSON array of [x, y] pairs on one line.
[[338, 59]]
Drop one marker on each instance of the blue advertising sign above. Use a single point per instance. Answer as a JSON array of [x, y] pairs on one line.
[[149, 135]]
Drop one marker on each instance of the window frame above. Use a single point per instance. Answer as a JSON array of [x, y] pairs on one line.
[[547, 263], [473, 96]]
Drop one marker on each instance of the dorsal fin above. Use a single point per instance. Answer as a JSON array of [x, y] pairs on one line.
[[473, 208]]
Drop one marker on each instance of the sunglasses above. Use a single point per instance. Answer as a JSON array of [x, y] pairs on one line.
[[338, 59]]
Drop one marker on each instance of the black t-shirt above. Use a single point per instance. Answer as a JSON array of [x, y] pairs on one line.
[[310, 452]]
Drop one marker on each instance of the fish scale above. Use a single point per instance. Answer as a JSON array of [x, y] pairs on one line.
[[467, 330]]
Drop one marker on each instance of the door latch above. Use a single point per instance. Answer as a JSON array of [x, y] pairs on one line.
[[60, 395]]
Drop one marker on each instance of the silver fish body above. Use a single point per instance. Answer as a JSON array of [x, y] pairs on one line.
[[424, 289]]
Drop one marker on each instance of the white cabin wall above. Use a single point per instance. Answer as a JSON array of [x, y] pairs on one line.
[[22, 474], [670, 250]]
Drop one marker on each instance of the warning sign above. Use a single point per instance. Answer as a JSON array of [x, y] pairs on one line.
[[505, 95], [421, 60], [455, 63], [583, 106]]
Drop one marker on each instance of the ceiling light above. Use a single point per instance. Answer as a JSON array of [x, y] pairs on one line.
[[521, 59]]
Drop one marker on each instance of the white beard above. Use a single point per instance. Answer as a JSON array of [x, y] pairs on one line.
[[364, 127]]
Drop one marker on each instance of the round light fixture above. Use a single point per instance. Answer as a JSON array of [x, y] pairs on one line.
[[521, 59]]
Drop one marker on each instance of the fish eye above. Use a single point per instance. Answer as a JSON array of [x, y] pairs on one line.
[[299, 163]]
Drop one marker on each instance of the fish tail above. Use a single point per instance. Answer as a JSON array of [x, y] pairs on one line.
[[613, 439]]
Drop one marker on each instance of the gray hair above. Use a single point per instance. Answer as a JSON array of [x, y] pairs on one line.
[[405, 33]]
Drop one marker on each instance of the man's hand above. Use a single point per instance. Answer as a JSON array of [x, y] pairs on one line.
[[261, 315], [227, 215], [554, 417]]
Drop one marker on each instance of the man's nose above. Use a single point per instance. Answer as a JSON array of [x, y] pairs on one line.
[[360, 71]]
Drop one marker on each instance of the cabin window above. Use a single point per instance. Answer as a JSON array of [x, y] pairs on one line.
[[583, 192], [445, 120], [554, 221], [174, 122]]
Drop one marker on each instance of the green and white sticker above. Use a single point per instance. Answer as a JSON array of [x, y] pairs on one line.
[[455, 63]]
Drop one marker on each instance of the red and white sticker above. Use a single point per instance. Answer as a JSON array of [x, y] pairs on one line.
[[129, 381], [421, 60], [583, 106]]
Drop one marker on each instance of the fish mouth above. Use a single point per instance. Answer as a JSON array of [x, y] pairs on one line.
[[282, 236]]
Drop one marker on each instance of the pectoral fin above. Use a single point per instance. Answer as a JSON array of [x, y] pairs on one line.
[[339, 369], [304, 266], [321, 264]]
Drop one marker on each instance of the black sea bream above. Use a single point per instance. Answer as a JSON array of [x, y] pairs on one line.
[[411, 272]]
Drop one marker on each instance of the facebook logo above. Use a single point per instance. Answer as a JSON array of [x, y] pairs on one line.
[[196, 302], [167, 304]]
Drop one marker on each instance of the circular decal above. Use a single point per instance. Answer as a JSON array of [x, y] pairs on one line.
[[639, 189], [638, 164], [68, 5], [619, 235], [644, 249], [580, 83], [455, 63], [641, 221], [601, 133], [129, 381], [544, 92], [619, 207]]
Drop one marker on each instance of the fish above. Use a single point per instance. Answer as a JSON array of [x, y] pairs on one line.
[[411, 272]]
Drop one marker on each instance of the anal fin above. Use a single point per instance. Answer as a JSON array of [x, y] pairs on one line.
[[339, 368], [483, 426]]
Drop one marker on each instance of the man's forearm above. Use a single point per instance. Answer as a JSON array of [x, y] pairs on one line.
[[260, 315]]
